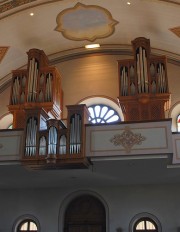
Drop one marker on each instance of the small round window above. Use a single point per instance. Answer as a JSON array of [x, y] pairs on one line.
[[28, 226], [102, 114]]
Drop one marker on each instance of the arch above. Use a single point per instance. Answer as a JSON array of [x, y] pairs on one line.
[[6, 120], [173, 113], [92, 100], [145, 217], [67, 200]]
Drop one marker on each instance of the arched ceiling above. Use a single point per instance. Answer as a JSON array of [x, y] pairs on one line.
[[63, 27]]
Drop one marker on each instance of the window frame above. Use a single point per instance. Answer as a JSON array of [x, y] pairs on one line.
[[26, 218], [102, 119], [145, 219], [144, 216]]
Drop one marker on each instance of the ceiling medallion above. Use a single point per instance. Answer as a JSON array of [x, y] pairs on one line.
[[127, 139], [3, 51], [84, 22], [176, 31]]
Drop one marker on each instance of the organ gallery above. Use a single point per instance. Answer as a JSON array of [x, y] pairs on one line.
[[36, 104]]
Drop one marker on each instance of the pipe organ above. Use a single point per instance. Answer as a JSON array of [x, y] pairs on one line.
[[143, 84], [57, 145], [36, 105], [38, 86]]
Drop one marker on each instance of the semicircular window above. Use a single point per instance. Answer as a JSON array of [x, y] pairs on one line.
[[145, 224], [28, 226], [102, 114]]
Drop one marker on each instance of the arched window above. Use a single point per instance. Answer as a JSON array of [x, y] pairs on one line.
[[85, 213], [102, 114], [178, 123], [145, 225], [27, 225], [103, 110]]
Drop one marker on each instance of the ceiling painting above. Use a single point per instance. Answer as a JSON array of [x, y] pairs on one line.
[[3, 51], [176, 31], [85, 22]]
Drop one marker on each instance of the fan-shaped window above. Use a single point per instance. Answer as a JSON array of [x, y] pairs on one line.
[[145, 225], [102, 114], [28, 226]]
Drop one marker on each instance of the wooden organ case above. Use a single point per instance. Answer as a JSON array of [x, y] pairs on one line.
[[37, 87], [36, 105], [143, 84]]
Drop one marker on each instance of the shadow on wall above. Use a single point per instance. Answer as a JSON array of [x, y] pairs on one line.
[[178, 229], [120, 230]]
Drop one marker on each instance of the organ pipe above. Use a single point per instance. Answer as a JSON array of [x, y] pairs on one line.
[[62, 145], [75, 134], [52, 140], [145, 71], [31, 134], [42, 146], [32, 81]]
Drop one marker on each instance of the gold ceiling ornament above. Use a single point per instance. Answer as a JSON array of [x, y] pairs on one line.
[[127, 139], [176, 31], [3, 51], [85, 22]]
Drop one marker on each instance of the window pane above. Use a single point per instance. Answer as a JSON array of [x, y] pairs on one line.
[[27, 226], [150, 226], [32, 226], [140, 226], [24, 226]]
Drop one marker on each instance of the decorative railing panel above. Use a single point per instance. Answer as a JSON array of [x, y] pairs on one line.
[[125, 140]]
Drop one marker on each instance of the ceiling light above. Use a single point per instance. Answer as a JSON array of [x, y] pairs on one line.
[[128, 3], [92, 46], [31, 14]]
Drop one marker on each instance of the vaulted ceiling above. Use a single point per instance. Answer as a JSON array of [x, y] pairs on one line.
[[63, 27]]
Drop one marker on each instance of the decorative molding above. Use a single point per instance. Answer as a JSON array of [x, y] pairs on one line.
[[8, 5], [176, 31], [3, 51], [85, 23], [127, 139]]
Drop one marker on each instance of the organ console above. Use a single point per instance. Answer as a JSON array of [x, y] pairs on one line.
[[143, 84]]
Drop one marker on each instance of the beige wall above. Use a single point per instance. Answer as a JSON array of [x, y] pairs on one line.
[[89, 76]]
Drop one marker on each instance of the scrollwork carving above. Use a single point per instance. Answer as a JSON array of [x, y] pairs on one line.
[[127, 139]]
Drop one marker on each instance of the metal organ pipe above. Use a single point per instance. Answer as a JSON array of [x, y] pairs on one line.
[[32, 80], [145, 71], [124, 82], [138, 74], [75, 134], [141, 69], [31, 133], [52, 141], [15, 91], [62, 145], [42, 146], [162, 79]]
